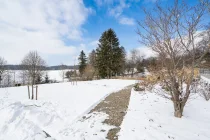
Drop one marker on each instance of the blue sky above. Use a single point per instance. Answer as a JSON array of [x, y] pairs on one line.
[[60, 29], [110, 14]]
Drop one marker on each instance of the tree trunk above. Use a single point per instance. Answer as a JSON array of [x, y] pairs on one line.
[[36, 92], [28, 92], [33, 82], [132, 73], [32, 96], [178, 109]]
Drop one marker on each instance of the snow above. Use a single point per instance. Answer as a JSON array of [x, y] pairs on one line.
[[150, 117], [57, 75], [61, 113], [204, 77], [90, 128], [59, 105]]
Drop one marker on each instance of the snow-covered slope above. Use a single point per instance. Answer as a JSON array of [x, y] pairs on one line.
[[150, 117], [58, 106], [205, 78]]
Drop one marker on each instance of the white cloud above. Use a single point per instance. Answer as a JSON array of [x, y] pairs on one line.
[[40, 25], [126, 21], [146, 51], [118, 9], [115, 9], [94, 44], [117, 12], [150, 1], [103, 2], [153, 1]]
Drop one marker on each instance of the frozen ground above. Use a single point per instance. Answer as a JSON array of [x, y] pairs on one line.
[[150, 117], [58, 110]]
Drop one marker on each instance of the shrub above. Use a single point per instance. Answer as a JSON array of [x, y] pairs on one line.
[[166, 88], [137, 87]]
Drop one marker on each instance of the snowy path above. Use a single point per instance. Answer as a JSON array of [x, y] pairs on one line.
[[103, 121], [150, 117], [59, 105]]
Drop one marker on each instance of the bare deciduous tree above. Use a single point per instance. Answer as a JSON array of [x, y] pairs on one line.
[[134, 60], [92, 63], [3, 63], [207, 3], [128, 66], [8, 79], [23, 77], [173, 33], [34, 65]]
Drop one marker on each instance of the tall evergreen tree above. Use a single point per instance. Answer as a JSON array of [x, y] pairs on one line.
[[109, 54], [120, 61], [82, 62]]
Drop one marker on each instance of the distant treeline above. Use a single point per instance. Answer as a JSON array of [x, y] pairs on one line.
[[58, 67]]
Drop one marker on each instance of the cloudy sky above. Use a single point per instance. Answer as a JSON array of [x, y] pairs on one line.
[[60, 29]]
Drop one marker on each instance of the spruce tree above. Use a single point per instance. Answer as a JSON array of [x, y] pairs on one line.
[[109, 55], [120, 61], [82, 62], [103, 58], [47, 78]]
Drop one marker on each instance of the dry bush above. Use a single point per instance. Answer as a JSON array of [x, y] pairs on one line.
[[138, 87], [125, 78], [89, 72]]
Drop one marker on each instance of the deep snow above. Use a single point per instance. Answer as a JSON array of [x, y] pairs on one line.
[[58, 106], [150, 117]]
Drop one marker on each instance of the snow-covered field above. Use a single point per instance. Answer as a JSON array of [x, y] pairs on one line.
[[150, 117], [58, 106], [61, 113], [57, 75], [54, 75]]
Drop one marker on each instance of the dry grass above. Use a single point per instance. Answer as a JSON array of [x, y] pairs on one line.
[[126, 78]]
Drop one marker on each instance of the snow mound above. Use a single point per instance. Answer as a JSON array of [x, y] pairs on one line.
[[21, 120]]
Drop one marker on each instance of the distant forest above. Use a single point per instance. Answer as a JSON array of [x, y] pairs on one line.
[[58, 67]]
